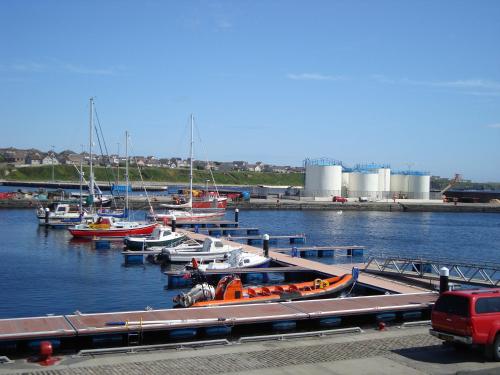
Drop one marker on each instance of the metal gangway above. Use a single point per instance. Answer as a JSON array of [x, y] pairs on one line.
[[481, 274]]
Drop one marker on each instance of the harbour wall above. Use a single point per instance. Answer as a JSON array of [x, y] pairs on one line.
[[268, 204]]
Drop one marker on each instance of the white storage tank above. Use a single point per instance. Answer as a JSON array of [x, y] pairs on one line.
[[419, 185], [345, 181], [384, 182], [399, 184], [323, 177], [345, 178], [363, 184]]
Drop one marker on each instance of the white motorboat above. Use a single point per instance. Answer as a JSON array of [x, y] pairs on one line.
[[161, 236], [61, 214], [237, 259], [212, 249]]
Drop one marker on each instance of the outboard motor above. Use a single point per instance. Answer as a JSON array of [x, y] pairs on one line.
[[200, 292]]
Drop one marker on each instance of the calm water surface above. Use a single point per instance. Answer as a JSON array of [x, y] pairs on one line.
[[45, 271]]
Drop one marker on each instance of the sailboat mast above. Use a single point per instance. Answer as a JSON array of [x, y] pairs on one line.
[[126, 172], [91, 128], [191, 165], [81, 184]]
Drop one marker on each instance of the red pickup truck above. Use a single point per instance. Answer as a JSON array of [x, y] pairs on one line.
[[337, 198], [470, 317]]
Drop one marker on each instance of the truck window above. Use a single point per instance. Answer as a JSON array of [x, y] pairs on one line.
[[451, 304], [488, 305]]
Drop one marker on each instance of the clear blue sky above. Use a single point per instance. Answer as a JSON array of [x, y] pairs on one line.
[[276, 81]]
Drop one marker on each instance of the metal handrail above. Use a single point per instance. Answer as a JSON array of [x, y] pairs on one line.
[[440, 260], [474, 273], [295, 335], [143, 348]]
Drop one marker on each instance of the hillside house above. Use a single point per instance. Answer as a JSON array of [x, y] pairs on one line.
[[50, 160]]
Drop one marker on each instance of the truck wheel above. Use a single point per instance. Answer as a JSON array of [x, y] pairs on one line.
[[496, 348]]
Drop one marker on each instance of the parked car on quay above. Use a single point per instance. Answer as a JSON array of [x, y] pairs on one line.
[[337, 198], [469, 317]]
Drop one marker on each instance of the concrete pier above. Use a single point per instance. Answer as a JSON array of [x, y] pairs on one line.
[[402, 205], [393, 351]]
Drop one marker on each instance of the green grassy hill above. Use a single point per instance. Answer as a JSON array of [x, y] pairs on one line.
[[152, 174]]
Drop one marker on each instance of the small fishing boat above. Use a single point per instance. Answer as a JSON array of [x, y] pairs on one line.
[[230, 291], [111, 227], [61, 214], [237, 259], [212, 249], [161, 236]]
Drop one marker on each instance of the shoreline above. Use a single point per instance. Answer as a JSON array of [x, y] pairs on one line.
[[401, 205], [270, 203]]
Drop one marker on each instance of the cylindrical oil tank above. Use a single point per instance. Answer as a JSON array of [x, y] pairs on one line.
[[345, 178], [345, 182], [384, 182], [323, 178], [399, 185], [419, 185], [363, 184]]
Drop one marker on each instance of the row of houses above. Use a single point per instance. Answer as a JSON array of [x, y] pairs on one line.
[[36, 157], [27, 157]]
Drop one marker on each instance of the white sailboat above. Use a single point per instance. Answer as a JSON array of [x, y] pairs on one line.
[[188, 215], [110, 226], [62, 214]]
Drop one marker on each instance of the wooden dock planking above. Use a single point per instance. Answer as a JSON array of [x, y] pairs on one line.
[[44, 326], [97, 324], [329, 269], [356, 305], [87, 324]]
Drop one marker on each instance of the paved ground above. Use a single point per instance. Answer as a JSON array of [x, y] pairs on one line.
[[396, 351]]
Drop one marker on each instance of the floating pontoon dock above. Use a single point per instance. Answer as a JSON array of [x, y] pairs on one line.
[[74, 328], [81, 331], [373, 281], [293, 238], [321, 250], [225, 230]]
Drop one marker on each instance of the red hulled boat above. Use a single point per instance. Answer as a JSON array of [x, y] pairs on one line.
[[110, 227]]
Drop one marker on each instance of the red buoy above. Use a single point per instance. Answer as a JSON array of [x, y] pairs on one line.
[[45, 357]]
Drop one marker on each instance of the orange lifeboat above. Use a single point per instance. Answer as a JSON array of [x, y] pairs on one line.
[[230, 291]]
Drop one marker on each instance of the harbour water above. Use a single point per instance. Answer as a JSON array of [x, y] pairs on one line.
[[45, 271]]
